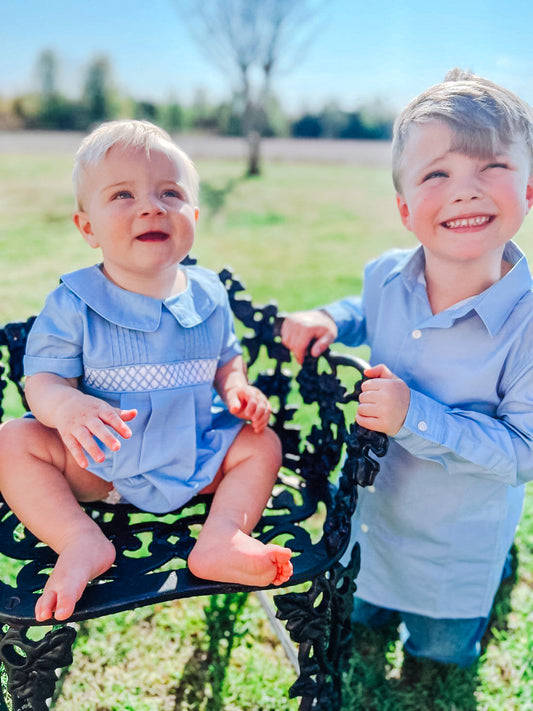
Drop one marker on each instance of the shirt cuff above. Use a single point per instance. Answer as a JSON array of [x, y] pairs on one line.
[[64, 367], [423, 424], [231, 352]]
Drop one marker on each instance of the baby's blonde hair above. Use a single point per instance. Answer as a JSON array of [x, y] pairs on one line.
[[129, 133], [483, 116]]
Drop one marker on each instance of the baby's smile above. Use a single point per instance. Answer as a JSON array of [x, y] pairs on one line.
[[152, 237]]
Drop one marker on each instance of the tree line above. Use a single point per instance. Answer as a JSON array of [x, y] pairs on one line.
[[49, 108]]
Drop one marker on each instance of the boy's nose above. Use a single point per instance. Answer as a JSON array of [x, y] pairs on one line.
[[466, 196], [466, 190]]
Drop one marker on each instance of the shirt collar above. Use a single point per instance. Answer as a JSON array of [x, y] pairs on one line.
[[409, 267], [496, 303], [136, 311], [493, 306]]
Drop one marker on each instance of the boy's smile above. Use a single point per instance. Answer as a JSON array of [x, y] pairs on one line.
[[138, 212], [467, 223], [461, 207]]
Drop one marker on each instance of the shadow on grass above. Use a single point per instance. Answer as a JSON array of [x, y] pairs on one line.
[[202, 683], [381, 678]]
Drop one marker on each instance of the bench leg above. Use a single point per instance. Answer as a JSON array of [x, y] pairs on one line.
[[318, 620], [31, 665]]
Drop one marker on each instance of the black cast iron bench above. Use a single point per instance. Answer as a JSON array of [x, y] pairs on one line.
[[325, 456]]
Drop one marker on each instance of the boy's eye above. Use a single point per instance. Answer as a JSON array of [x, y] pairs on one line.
[[498, 165], [435, 174], [122, 195]]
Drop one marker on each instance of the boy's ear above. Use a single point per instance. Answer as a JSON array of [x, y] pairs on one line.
[[82, 222], [529, 193], [404, 211]]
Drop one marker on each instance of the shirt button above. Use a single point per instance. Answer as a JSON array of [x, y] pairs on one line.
[[416, 334], [422, 426], [364, 528]]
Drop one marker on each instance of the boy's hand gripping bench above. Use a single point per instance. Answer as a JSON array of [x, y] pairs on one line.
[[325, 456]]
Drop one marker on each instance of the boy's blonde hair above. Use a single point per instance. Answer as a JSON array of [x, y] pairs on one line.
[[129, 133], [482, 115]]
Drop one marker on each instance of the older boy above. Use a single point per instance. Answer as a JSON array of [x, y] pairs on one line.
[[450, 325]]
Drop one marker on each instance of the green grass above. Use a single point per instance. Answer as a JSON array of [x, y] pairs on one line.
[[291, 234], [300, 235], [162, 657]]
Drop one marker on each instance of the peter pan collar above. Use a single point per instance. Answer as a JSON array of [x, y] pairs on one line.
[[136, 311]]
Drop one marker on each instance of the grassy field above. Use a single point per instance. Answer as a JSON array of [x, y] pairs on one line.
[[300, 234]]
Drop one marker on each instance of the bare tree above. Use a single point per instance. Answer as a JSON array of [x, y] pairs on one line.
[[47, 72], [250, 41]]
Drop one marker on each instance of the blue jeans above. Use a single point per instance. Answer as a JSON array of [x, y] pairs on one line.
[[450, 641]]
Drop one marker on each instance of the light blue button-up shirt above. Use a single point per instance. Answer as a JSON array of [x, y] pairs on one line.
[[436, 527]]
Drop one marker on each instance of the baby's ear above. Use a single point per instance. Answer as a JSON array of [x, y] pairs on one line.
[[403, 209], [82, 222]]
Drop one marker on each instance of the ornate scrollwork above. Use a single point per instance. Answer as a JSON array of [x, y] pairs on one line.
[[318, 620], [14, 336], [31, 664]]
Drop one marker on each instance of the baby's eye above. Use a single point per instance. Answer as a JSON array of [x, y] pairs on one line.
[[173, 193], [122, 195]]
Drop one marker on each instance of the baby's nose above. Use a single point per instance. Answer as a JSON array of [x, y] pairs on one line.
[[152, 205]]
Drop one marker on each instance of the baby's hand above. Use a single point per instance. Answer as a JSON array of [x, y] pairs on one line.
[[82, 417], [302, 327], [249, 403], [384, 401]]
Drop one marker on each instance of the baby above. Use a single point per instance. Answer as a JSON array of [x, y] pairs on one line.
[[136, 383]]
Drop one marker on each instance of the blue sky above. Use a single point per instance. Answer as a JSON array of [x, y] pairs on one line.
[[362, 51]]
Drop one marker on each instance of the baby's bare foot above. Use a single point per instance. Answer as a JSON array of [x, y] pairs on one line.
[[284, 569], [78, 563], [239, 558]]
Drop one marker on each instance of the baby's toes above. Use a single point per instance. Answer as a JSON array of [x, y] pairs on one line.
[[45, 606], [284, 572]]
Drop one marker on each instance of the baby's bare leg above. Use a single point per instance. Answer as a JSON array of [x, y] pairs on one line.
[[225, 551], [42, 483]]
